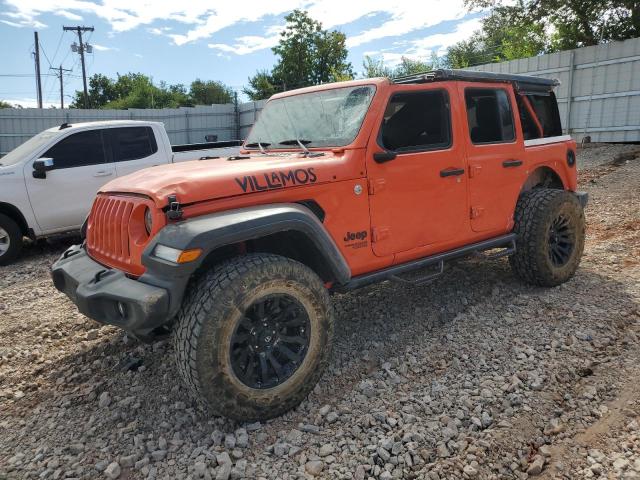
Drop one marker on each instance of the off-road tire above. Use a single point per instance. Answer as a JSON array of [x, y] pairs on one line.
[[535, 214], [213, 305], [14, 234]]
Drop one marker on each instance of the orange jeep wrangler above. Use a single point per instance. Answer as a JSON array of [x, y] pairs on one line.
[[337, 186]]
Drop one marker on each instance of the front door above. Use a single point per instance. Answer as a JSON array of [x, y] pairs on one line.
[[63, 199], [495, 155], [420, 197]]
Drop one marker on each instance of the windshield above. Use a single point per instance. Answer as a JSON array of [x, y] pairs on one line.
[[327, 118], [26, 149]]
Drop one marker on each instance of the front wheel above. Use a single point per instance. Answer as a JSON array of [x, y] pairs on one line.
[[253, 336], [10, 240], [550, 230]]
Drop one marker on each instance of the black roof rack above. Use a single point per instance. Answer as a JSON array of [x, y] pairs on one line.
[[523, 83]]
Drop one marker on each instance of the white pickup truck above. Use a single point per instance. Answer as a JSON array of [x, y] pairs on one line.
[[48, 183]]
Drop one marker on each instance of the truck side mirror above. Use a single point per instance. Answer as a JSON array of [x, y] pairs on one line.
[[387, 155], [42, 166]]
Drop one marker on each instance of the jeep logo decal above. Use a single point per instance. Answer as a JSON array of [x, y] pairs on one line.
[[356, 239], [273, 180]]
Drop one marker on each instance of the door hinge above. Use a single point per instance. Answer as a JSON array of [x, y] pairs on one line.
[[376, 186], [474, 170], [476, 212], [379, 233]]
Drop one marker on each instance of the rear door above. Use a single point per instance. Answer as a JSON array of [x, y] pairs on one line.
[[62, 200], [420, 197], [134, 148], [495, 154]]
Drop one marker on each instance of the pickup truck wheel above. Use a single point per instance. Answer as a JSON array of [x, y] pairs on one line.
[[253, 336], [550, 226], [10, 240]]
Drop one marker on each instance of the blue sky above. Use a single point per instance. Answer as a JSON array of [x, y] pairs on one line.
[[209, 39]]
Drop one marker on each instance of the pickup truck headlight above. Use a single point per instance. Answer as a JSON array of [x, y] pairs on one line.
[[148, 220], [176, 255]]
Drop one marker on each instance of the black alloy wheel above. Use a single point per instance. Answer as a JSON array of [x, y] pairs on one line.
[[270, 341], [561, 240]]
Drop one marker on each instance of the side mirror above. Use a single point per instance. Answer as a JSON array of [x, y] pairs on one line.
[[42, 166], [382, 157]]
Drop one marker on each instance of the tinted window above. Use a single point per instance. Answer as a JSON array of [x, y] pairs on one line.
[[546, 109], [489, 115], [77, 150], [131, 143], [529, 127], [417, 121]]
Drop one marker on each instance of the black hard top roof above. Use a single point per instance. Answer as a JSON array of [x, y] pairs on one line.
[[523, 83]]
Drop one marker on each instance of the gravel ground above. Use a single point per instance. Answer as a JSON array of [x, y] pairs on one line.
[[475, 376]]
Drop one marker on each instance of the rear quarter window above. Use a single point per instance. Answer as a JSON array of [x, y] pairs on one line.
[[132, 143]]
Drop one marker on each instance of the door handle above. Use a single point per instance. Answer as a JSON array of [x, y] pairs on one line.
[[451, 172], [102, 173], [511, 163]]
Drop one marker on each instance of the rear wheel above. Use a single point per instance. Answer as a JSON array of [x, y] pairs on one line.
[[10, 240], [550, 226], [254, 335]]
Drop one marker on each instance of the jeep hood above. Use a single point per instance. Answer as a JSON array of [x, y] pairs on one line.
[[201, 180]]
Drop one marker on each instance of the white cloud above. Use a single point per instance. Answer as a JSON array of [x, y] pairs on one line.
[[30, 102], [68, 15], [102, 48], [423, 48], [204, 18]]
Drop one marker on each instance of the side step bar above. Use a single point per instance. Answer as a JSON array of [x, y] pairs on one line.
[[507, 242]]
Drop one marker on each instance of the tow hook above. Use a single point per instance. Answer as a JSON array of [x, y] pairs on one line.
[[174, 212]]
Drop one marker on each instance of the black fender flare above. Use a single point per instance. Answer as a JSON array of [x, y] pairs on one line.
[[210, 232]]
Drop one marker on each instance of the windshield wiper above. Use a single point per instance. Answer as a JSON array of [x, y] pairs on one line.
[[303, 145], [260, 145]]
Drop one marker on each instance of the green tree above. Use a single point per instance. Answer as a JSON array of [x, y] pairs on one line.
[[375, 67], [4, 104], [136, 90], [573, 23], [207, 92], [307, 55], [261, 85]]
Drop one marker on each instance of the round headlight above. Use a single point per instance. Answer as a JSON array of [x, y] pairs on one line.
[[148, 220]]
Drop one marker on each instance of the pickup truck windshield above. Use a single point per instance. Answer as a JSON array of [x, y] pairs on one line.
[[327, 118], [26, 149]]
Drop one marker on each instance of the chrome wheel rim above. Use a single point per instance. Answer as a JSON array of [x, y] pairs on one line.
[[5, 241]]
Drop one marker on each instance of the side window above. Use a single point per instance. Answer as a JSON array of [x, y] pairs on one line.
[[489, 115], [546, 109], [78, 150], [132, 143], [415, 121], [529, 128]]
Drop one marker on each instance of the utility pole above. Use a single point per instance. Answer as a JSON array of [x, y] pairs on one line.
[[81, 49], [37, 60], [59, 75]]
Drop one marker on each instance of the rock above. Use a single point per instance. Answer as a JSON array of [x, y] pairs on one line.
[[554, 427], [104, 400], [360, 473], [113, 470], [620, 464], [239, 470], [326, 449], [545, 450], [128, 461], [332, 417], [383, 454], [314, 467], [199, 469], [224, 471], [230, 441], [535, 467], [158, 455], [92, 335], [470, 471], [596, 468], [242, 438]]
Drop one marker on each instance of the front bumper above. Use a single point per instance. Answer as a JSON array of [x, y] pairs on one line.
[[109, 296]]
